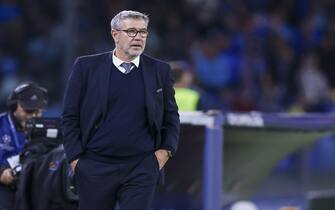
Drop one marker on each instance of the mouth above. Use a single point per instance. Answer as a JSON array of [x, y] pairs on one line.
[[136, 46]]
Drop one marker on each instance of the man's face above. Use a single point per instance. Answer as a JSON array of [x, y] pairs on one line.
[[23, 115], [127, 47]]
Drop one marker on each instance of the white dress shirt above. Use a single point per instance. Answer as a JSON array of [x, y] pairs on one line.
[[117, 62]]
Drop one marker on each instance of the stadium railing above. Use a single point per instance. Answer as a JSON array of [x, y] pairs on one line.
[[237, 150]]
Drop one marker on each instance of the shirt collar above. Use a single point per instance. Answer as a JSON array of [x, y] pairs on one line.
[[117, 61]]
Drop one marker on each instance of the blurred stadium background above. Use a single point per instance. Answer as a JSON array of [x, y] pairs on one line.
[[244, 55]]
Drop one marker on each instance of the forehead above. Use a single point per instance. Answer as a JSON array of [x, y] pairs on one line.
[[133, 23]]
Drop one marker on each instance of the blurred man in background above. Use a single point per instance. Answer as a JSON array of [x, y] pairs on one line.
[[187, 99], [28, 100]]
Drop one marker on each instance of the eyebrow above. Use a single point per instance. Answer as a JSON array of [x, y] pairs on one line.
[[137, 29]]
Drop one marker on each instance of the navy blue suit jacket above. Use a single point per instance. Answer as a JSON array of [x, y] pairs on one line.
[[86, 97]]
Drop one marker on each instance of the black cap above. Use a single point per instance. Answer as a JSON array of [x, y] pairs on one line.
[[31, 96]]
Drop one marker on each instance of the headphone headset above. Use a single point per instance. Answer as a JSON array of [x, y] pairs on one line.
[[14, 96]]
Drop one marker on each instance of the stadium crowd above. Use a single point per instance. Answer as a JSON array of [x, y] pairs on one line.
[[245, 55]]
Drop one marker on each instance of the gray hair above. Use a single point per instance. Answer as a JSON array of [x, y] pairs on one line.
[[125, 14]]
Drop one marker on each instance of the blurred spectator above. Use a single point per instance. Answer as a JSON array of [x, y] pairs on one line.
[[8, 76], [187, 98], [216, 68], [312, 84], [253, 72], [326, 55], [246, 53], [282, 64]]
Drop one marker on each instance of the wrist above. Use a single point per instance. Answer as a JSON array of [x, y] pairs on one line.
[[171, 150], [167, 153]]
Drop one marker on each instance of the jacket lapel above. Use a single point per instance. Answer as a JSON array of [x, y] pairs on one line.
[[104, 74], [149, 78]]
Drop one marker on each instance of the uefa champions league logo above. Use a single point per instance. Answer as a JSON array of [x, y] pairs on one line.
[[5, 143], [6, 139]]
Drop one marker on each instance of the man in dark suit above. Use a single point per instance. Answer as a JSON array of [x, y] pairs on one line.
[[120, 120]]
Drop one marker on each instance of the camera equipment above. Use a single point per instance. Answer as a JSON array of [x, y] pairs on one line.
[[43, 127]]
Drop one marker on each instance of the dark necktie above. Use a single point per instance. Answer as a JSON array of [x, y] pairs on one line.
[[127, 67]]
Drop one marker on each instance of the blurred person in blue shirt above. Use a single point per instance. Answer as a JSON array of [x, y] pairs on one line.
[[28, 100]]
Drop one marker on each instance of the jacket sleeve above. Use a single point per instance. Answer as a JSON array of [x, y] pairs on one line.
[[73, 96], [171, 123]]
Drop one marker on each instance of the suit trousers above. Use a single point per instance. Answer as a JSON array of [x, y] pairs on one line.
[[7, 199], [129, 184]]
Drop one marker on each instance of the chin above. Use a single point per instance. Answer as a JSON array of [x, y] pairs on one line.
[[135, 53]]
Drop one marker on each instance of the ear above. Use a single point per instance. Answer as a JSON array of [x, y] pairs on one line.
[[115, 35], [18, 108]]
